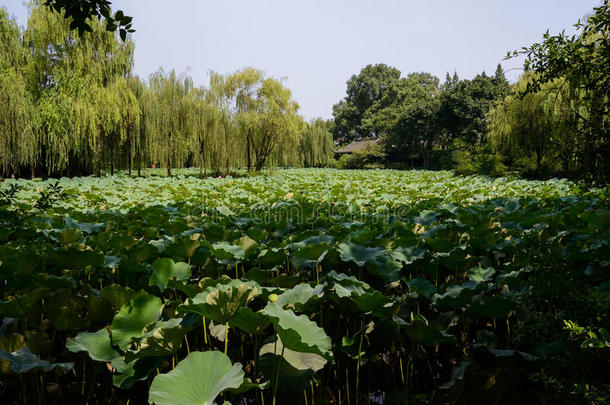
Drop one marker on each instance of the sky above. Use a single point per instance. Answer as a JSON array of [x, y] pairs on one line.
[[317, 45]]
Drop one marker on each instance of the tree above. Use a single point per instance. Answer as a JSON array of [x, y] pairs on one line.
[[70, 105], [85, 108], [79, 11], [316, 144], [530, 124], [465, 104], [581, 62], [16, 107], [243, 89], [406, 118], [363, 90], [173, 129], [265, 111], [277, 119]]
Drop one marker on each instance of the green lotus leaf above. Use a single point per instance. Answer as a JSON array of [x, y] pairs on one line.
[[20, 306], [165, 270], [62, 318], [99, 347], [159, 339], [269, 258], [298, 333], [257, 234], [99, 309], [197, 380], [143, 253], [298, 296], [386, 267], [480, 274], [53, 282], [189, 290], [70, 235], [74, 259], [454, 259], [182, 248], [422, 287], [119, 295], [408, 254], [309, 256], [227, 251], [427, 217], [351, 284], [38, 342], [296, 369], [354, 291], [420, 332], [248, 320], [23, 361], [351, 252], [137, 370], [83, 226], [248, 245], [456, 296], [133, 317], [222, 301]]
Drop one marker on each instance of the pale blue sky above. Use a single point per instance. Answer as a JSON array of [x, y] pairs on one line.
[[318, 44]]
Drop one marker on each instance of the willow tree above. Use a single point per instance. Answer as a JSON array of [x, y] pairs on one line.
[[17, 143], [137, 138], [118, 117], [277, 119], [242, 93], [229, 121], [265, 113], [581, 62], [79, 86], [174, 128], [316, 144], [533, 124]]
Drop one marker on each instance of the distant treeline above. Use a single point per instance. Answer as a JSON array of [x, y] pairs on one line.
[[553, 122], [70, 105]]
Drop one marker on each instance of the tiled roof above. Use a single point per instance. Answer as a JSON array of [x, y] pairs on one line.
[[356, 146]]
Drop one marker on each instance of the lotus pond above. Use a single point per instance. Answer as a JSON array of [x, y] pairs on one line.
[[311, 286]]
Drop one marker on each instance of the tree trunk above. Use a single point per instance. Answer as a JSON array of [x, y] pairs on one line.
[[169, 157], [249, 151], [130, 158], [202, 155]]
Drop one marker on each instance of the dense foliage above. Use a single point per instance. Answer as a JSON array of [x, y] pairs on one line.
[[80, 11], [70, 105], [552, 122], [579, 64], [307, 286], [417, 118]]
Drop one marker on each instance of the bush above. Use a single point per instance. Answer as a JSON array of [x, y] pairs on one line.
[[489, 163], [340, 163], [373, 157], [483, 161], [462, 162]]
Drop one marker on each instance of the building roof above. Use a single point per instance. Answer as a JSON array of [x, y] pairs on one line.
[[355, 146]]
